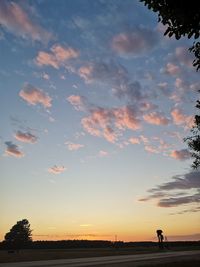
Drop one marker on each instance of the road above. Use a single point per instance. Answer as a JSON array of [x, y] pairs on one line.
[[135, 260]]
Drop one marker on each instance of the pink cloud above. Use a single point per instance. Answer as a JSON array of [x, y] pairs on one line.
[[156, 118], [172, 69], [45, 76], [103, 153], [151, 149], [73, 146], [182, 154], [57, 57], [109, 122], [26, 137], [179, 118], [16, 20], [134, 140], [134, 42], [181, 84], [77, 101], [56, 169], [34, 96], [85, 72], [13, 150], [44, 58], [144, 139]]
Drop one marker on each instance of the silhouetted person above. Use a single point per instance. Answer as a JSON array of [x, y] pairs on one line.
[[160, 238]]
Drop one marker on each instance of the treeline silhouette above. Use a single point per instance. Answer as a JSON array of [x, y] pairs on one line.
[[82, 244]]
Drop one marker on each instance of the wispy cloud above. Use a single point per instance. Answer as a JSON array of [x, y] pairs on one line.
[[18, 21], [13, 150], [103, 153], [56, 169], [175, 193], [109, 72], [74, 146], [182, 154], [57, 56], [134, 41], [26, 137], [33, 96]]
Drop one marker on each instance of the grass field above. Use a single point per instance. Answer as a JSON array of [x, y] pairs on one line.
[[52, 254]]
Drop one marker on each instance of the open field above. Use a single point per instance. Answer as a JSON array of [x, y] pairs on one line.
[[53, 254], [158, 259]]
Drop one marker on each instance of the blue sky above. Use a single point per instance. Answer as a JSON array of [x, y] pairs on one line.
[[96, 103]]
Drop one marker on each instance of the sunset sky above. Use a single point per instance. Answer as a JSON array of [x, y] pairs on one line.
[[95, 103]]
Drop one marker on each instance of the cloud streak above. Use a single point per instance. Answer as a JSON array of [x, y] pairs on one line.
[[26, 137], [183, 189], [182, 154], [13, 150], [16, 20], [74, 146], [56, 169]]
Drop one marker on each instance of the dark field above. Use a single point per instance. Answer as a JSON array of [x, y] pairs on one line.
[[52, 254]]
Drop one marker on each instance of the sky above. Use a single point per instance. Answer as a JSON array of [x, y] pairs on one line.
[[95, 104]]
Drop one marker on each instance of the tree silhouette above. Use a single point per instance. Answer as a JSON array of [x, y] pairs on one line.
[[194, 140], [182, 18], [19, 235]]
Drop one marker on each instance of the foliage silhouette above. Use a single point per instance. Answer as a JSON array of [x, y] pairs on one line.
[[194, 140], [19, 235], [182, 18]]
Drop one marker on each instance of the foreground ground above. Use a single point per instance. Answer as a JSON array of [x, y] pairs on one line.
[[178, 258], [54, 254]]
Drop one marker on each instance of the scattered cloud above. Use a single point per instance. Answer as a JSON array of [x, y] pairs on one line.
[[13, 150], [103, 153], [57, 56], [132, 91], [17, 20], [78, 102], [183, 189], [74, 146], [134, 42], [182, 154], [179, 118], [183, 56], [151, 149], [108, 122], [33, 96], [171, 69], [26, 137], [134, 140], [56, 169], [110, 72], [156, 118], [45, 76]]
